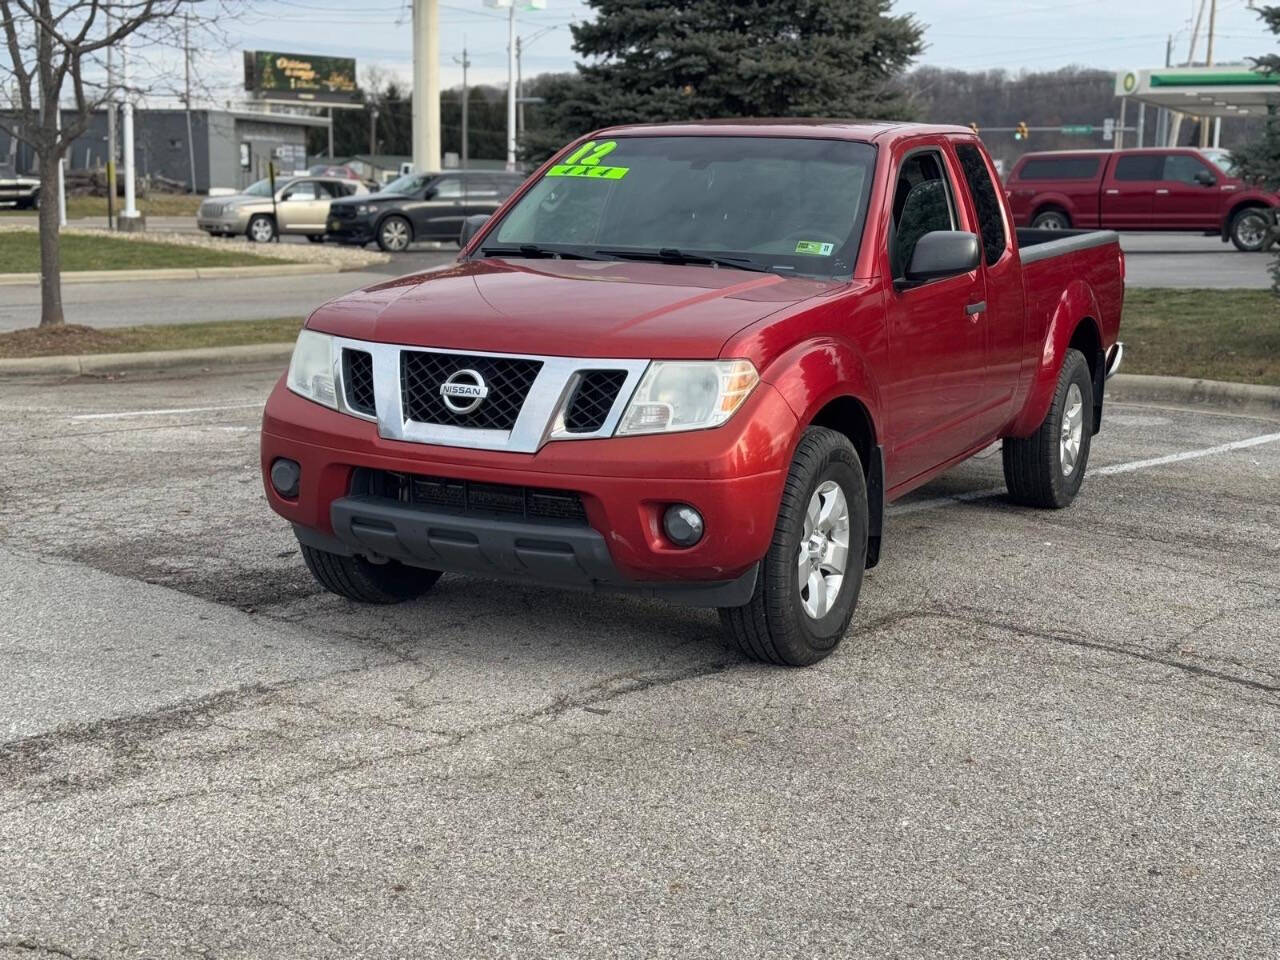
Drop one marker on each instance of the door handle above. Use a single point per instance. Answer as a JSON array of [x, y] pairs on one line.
[[1112, 193], [1162, 191], [973, 309]]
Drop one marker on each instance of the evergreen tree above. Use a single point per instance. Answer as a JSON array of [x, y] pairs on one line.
[[1259, 160], [660, 60]]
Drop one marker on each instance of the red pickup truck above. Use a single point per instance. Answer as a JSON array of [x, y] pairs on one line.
[[1167, 189], [695, 362]]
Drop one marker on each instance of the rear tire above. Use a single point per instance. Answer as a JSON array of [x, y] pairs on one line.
[[798, 613], [1051, 218], [1249, 229], [357, 579], [1047, 468]]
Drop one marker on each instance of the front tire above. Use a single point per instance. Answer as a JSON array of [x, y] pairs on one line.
[[810, 579], [1249, 229], [1047, 468], [395, 234], [357, 579], [262, 229]]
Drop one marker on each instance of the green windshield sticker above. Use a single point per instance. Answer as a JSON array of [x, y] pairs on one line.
[[585, 162], [815, 248]]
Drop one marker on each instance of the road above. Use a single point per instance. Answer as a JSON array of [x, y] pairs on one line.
[[1153, 260], [1048, 734]]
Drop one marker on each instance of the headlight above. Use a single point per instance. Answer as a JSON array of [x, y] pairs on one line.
[[688, 395], [363, 209], [311, 369]]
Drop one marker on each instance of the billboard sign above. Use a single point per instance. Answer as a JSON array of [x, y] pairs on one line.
[[271, 75]]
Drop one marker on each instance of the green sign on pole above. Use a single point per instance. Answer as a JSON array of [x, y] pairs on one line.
[[1077, 128]]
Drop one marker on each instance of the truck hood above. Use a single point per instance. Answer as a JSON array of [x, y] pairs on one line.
[[578, 308]]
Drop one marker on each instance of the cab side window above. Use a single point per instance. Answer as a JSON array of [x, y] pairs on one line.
[[1140, 166], [990, 214], [921, 204]]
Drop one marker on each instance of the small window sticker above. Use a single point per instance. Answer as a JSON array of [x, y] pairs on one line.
[[585, 162], [815, 249]]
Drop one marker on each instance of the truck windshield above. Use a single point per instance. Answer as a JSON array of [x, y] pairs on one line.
[[787, 205]]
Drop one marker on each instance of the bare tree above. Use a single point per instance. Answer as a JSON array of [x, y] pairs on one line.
[[51, 44]]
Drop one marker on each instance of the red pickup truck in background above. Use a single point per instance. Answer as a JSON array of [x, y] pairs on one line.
[[1148, 189], [696, 361]]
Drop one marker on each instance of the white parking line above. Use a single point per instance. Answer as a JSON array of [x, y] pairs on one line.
[[163, 413], [1115, 468]]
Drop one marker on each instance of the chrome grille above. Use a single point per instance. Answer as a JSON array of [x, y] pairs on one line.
[[508, 380], [357, 378], [593, 399]]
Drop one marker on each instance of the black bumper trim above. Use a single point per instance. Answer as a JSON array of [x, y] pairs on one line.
[[558, 555]]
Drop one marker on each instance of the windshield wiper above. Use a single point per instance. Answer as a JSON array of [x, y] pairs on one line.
[[672, 255], [534, 252]]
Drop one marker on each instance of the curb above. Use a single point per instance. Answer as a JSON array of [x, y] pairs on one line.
[[184, 273], [1184, 391], [102, 364]]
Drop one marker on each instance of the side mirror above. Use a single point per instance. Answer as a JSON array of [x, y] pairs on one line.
[[1205, 178], [430, 193], [944, 253], [471, 226]]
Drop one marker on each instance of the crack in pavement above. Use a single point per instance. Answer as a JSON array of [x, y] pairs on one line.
[[35, 947], [126, 736]]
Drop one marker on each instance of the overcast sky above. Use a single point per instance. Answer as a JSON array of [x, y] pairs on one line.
[[968, 34]]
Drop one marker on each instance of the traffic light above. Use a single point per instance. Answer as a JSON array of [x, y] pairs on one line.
[[974, 127], [1020, 132]]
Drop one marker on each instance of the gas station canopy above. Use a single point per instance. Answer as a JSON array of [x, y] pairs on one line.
[[1225, 91]]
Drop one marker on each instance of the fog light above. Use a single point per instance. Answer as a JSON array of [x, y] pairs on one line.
[[284, 477], [682, 524]]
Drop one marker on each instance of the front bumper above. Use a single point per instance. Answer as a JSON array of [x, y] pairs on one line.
[[359, 230], [223, 224], [732, 475]]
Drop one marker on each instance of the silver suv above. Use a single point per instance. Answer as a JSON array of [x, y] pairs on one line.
[[300, 205]]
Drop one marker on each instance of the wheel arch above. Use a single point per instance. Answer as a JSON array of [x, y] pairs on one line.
[[1074, 323], [827, 383], [1241, 203]]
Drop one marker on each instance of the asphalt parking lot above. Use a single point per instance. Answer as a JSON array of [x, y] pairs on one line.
[[1047, 734]]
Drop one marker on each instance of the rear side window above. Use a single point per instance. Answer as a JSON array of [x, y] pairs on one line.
[[990, 216], [1140, 166], [1060, 168]]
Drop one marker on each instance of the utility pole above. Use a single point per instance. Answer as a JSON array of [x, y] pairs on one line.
[[426, 85], [186, 50], [511, 86], [1208, 62], [373, 129], [111, 137], [466, 101]]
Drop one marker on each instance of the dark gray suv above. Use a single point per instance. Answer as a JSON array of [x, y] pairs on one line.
[[419, 206]]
